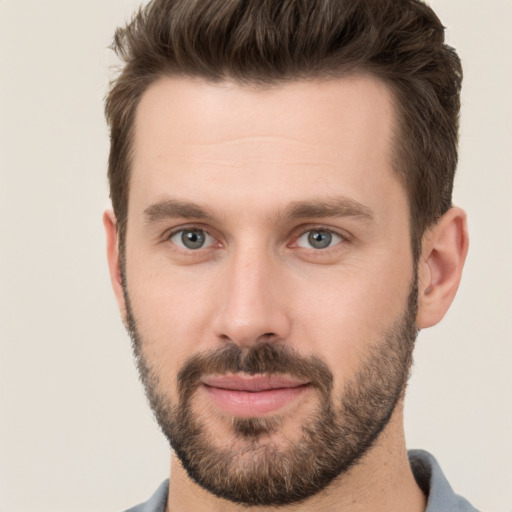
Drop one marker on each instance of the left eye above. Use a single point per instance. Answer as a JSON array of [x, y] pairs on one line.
[[319, 239], [191, 239]]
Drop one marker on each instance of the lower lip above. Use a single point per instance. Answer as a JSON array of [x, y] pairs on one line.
[[253, 403]]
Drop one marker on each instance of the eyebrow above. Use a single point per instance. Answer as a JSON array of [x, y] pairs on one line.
[[334, 207], [173, 208]]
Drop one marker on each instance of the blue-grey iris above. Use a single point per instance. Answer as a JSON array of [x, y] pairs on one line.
[[319, 239], [193, 238]]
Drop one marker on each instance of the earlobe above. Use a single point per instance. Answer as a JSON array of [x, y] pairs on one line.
[[110, 224], [444, 250]]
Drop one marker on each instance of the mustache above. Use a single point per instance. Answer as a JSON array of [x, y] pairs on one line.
[[265, 358]]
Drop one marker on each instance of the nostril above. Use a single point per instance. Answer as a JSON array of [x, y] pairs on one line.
[[268, 337]]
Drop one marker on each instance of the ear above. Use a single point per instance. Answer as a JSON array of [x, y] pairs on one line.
[[444, 249], [110, 223]]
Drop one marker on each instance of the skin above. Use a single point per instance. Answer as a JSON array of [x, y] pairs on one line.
[[245, 156]]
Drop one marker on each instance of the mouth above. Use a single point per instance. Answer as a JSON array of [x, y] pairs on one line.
[[253, 395]]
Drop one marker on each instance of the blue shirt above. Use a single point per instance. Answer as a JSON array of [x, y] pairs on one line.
[[425, 468]]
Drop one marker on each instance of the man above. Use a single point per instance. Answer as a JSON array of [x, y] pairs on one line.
[[282, 227]]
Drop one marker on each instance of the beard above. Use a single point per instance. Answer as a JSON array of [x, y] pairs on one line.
[[250, 468]]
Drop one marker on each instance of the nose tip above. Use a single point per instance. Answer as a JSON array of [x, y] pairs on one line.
[[252, 310], [259, 322]]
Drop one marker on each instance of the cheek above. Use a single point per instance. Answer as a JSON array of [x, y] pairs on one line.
[[172, 310], [349, 312]]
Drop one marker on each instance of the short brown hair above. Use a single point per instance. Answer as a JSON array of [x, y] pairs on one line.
[[264, 42]]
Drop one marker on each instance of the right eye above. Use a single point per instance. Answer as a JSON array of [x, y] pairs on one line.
[[191, 239]]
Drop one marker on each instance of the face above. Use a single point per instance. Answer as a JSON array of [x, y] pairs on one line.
[[268, 280]]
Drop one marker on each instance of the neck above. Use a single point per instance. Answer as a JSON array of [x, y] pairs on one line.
[[381, 481]]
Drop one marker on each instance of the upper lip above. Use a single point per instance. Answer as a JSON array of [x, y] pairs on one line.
[[240, 382]]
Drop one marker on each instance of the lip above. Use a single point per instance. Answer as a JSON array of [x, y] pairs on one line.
[[253, 395]]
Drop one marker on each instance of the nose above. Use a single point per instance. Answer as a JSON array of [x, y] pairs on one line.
[[252, 308]]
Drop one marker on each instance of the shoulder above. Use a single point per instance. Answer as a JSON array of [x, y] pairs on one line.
[[156, 503], [430, 477]]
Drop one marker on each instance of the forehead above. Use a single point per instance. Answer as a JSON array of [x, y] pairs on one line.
[[306, 110], [194, 137]]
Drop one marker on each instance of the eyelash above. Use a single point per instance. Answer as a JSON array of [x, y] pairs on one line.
[[169, 235], [344, 237], [332, 233]]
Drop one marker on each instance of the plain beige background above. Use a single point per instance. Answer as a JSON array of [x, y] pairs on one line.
[[75, 432]]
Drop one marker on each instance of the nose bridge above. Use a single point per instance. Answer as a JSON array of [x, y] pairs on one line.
[[251, 310]]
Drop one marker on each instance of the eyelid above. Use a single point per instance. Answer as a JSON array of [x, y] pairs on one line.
[[296, 234], [302, 230], [335, 240], [190, 227]]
